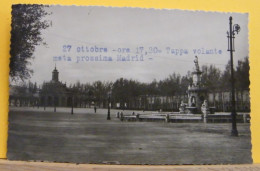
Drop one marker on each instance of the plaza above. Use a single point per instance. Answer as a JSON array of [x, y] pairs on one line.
[[87, 137]]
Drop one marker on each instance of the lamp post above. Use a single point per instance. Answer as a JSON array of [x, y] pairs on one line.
[[44, 103], [231, 36], [108, 105], [54, 102], [73, 94], [72, 104]]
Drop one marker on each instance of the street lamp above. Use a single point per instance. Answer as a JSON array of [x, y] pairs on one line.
[[72, 104], [54, 102], [233, 29], [44, 102], [108, 105]]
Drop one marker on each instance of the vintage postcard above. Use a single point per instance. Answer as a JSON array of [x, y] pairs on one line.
[[105, 85]]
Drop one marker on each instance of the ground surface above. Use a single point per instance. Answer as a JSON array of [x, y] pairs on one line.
[[85, 137]]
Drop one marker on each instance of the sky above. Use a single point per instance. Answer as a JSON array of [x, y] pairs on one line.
[[120, 28]]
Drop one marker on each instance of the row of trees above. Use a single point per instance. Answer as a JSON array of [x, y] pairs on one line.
[[215, 80], [174, 84], [129, 90]]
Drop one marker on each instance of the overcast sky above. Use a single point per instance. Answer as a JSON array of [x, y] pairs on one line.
[[115, 28]]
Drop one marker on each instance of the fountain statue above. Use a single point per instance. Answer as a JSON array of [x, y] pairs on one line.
[[182, 107], [205, 108], [197, 93]]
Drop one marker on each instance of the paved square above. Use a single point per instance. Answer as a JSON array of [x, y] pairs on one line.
[[86, 137]]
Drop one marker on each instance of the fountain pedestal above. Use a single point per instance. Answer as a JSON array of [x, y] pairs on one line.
[[191, 110], [197, 93]]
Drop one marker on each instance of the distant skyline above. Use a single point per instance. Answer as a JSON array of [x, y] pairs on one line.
[[115, 28]]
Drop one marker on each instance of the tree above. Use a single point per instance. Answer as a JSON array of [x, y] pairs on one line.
[[152, 88], [211, 77], [226, 79], [185, 82], [99, 92], [171, 85], [120, 91], [242, 74], [27, 23]]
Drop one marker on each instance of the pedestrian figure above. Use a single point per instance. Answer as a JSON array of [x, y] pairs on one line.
[[167, 118], [121, 116], [137, 117], [95, 109]]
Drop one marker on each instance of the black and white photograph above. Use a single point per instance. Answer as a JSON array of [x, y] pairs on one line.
[[119, 85]]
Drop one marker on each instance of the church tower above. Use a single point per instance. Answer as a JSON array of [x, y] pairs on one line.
[[55, 75]]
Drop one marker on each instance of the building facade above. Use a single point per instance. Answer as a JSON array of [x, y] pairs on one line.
[[55, 93]]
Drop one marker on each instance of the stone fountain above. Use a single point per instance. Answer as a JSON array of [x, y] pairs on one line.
[[197, 93]]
